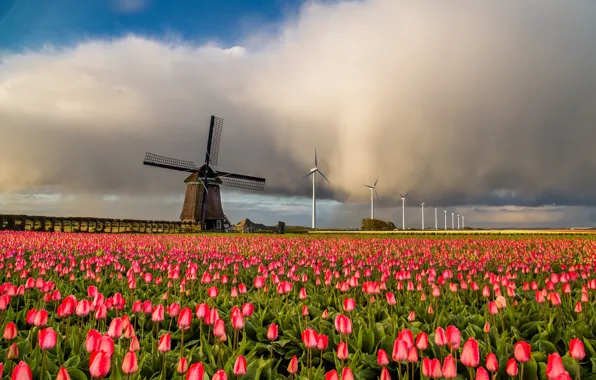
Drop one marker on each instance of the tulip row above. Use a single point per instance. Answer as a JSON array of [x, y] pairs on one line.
[[99, 306]]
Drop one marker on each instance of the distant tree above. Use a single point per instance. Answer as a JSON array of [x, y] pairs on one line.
[[369, 224]]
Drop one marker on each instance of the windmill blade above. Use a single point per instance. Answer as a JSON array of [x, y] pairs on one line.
[[241, 181], [169, 163], [215, 128], [321, 173], [370, 187], [375, 185], [401, 195], [377, 194], [315, 157], [309, 174]]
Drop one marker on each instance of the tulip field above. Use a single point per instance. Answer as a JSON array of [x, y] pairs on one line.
[[94, 306]]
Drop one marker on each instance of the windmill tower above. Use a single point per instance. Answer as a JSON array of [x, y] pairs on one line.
[[313, 172], [202, 202], [373, 192]]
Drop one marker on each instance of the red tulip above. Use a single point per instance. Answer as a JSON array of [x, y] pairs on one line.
[[93, 340], [237, 319], [62, 374], [576, 349], [554, 366], [302, 294], [453, 337], [309, 338], [385, 375], [185, 318], [511, 367], [332, 375], [347, 374], [219, 330], [481, 374], [413, 355], [449, 368], [13, 352], [342, 351], [492, 364], [10, 331], [470, 356], [440, 338], [220, 375], [390, 298], [343, 324], [165, 342], [182, 366], [115, 330], [173, 310], [272, 332], [522, 352], [22, 372], [382, 357], [349, 304], [41, 318], [493, 308], [247, 309], [158, 314], [293, 366], [322, 342], [412, 316], [422, 341], [240, 366], [47, 339], [134, 344], [129, 363], [400, 350], [202, 310], [212, 291], [99, 364], [195, 372]]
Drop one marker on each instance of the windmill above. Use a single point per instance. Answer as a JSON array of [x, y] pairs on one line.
[[373, 192], [458, 221], [202, 202], [436, 223], [422, 204], [452, 223], [403, 210], [462, 223], [314, 172]]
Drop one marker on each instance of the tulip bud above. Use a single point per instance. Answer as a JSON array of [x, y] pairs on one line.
[[240, 366]]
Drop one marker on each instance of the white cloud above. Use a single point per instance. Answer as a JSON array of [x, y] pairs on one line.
[[453, 101]]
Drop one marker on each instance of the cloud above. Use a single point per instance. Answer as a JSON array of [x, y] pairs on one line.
[[486, 103]]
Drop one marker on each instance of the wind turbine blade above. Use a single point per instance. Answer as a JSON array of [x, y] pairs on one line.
[[406, 194], [315, 157], [401, 195], [309, 174], [323, 175], [370, 187], [377, 194], [375, 185]]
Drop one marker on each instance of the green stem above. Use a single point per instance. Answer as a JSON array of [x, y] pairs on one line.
[[43, 365]]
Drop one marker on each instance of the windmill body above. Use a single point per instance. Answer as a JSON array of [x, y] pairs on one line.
[[452, 221], [202, 201], [436, 222], [422, 215]]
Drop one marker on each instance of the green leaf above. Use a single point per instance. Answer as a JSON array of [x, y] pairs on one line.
[[76, 374], [72, 362]]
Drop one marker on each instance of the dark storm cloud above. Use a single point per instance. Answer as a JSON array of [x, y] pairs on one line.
[[461, 102]]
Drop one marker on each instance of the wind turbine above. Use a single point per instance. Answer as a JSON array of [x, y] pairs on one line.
[[445, 220], [422, 204], [458, 221], [436, 224], [314, 172], [462, 223], [452, 221], [373, 192], [403, 210]]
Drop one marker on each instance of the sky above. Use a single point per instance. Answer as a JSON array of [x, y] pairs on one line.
[[486, 109]]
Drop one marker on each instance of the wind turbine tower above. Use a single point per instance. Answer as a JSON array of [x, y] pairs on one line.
[[314, 172], [458, 221], [403, 210], [436, 225], [422, 204], [445, 220], [462, 222], [452, 221], [373, 192]]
